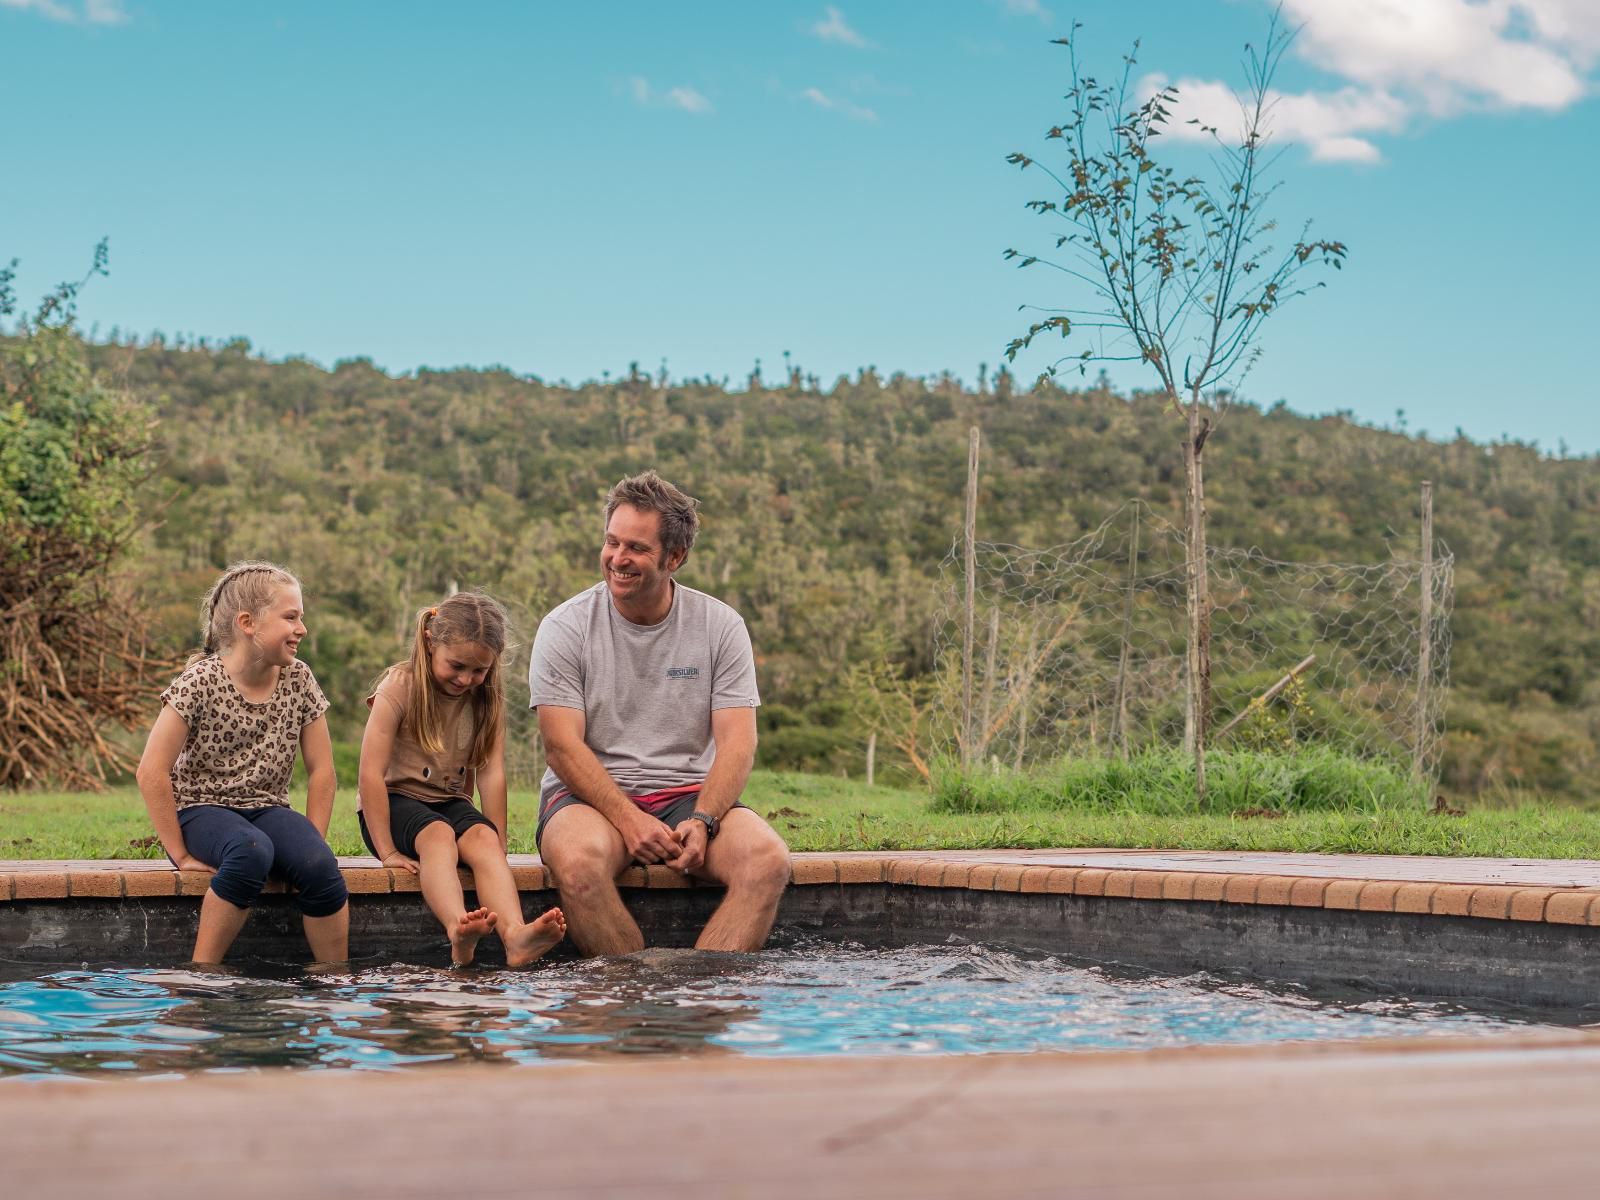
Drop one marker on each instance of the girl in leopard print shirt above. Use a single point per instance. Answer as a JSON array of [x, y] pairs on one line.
[[215, 770]]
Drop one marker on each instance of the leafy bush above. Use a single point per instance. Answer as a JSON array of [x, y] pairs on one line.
[[73, 656], [1161, 782]]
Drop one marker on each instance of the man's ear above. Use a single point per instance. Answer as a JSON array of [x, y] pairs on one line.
[[676, 559]]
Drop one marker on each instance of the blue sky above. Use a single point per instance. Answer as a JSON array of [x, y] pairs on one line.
[[562, 189]]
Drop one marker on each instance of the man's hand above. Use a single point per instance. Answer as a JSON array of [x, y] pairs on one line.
[[190, 863], [692, 836], [649, 840]]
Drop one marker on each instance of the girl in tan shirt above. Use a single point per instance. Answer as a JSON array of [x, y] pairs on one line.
[[435, 734]]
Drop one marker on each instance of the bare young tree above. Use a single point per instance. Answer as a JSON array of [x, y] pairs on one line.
[[1177, 271]]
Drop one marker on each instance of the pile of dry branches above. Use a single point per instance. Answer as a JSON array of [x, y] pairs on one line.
[[73, 660], [73, 654]]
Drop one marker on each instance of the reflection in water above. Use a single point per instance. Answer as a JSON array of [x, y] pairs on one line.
[[656, 1002], [809, 998]]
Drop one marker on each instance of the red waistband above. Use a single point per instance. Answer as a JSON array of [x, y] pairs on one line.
[[651, 802]]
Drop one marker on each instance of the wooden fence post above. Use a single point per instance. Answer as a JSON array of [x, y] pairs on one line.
[[1121, 714], [1425, 637], [970, 535]]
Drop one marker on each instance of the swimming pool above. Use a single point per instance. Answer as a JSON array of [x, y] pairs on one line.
[[804, 997]]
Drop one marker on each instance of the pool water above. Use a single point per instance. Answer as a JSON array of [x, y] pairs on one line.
[[806, 998]]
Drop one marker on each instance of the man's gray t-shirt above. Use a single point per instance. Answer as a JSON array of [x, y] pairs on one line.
[[647, 692]]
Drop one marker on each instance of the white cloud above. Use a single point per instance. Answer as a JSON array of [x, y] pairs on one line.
[[1345, 149], [833, 104], [45, 8], [1027, 8], [681, 97], [1330, 123], [1573, 22], [834, 28], [1403, 58], [1455, 54], [94, 12], [687, 99], [105, 12]]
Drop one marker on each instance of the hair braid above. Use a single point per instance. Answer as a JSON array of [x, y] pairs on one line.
[[244, 587]]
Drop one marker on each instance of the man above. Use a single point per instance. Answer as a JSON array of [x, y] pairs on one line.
[[646, 692]]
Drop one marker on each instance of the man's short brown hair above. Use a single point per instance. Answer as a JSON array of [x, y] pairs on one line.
[[648, 492]]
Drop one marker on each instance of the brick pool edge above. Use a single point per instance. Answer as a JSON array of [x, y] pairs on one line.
[[1499, 931]]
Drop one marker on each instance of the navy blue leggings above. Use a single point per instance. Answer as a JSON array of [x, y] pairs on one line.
[[248, 844]]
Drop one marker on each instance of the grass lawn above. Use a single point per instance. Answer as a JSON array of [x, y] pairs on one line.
[[815, 812]]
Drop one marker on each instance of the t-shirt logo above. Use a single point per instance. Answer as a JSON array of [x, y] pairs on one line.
[[682, 672]]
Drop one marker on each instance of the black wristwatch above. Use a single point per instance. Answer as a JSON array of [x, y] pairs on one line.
[[710, 822]]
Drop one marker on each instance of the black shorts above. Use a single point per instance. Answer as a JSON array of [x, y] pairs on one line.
[[409, 817]]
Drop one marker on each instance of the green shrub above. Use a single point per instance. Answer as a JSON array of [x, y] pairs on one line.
[[1161, 782]]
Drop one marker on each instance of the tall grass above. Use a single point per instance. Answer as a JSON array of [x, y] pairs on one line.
[[1161, 783]]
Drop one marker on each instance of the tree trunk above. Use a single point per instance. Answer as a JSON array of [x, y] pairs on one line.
[[1198, 706], [970, 540]]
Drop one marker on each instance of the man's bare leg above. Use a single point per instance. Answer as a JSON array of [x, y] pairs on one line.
[[586, 854], [525, 941], [751, 861]]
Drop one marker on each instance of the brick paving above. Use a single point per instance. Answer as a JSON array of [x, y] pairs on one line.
[[1558, 891]]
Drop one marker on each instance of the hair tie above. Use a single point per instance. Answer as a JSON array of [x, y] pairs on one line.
[[432, 612]]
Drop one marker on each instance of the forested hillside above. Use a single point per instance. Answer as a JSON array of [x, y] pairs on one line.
[[827, 511]]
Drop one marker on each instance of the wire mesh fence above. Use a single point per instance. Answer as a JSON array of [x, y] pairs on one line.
[[1079, 649]]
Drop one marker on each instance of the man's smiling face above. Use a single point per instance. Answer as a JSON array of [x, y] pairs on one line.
[[638, 572]]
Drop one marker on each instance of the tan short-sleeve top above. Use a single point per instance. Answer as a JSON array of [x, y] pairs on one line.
[[239, 754], [418, 773]]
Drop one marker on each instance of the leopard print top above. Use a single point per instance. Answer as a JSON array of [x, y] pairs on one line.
[[239, 754]]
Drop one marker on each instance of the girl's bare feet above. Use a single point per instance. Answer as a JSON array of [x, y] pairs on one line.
[[528, 943], [470, 928]]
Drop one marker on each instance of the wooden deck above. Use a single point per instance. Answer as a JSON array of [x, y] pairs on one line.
[[1497, 1119]]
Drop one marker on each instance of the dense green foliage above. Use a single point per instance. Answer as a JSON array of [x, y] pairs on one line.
[[826, 514], [72, 454], [70, 448]]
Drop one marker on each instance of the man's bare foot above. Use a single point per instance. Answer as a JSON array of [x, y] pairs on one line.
[[528, 943], [471, 927]]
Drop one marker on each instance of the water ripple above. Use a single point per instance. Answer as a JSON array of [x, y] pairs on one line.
[[803, 999]]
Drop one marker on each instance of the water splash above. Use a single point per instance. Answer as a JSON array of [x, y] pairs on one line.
[[807, 998]]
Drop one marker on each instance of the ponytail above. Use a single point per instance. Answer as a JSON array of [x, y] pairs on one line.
[[464, 617]]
